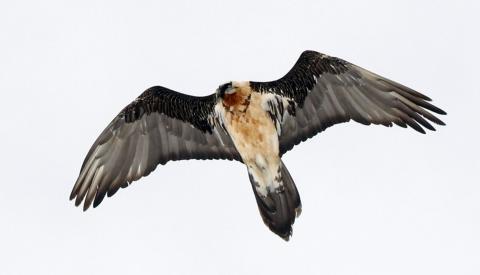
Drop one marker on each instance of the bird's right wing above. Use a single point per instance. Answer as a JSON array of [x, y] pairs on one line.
[[159, 126], [322, 91]]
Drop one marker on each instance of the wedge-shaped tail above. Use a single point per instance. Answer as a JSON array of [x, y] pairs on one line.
[[281, 204]]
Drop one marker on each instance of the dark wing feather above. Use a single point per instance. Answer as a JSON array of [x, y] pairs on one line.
[[159, 126], [323, 91]]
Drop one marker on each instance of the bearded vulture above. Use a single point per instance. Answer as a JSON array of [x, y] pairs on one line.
[[251, 122]]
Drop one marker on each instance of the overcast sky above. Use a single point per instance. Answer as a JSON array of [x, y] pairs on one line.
[[376, 200]]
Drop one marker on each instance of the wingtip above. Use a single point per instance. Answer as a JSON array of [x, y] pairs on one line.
[[78, 201], [421, 131], [439, 122], [439, 111]]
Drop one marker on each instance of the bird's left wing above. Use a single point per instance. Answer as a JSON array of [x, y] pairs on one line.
[[320, 91], [159, 126]]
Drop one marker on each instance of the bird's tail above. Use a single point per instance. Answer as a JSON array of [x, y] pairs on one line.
[[278, 206]]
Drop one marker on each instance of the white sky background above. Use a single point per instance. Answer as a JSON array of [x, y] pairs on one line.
[[376, 200]]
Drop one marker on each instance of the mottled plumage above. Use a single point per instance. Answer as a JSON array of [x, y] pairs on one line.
[[252, 122]]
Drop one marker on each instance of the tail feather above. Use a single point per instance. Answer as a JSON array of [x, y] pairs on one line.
[[280, 206]]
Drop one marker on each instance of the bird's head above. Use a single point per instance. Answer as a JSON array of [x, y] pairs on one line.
[[226, 89]]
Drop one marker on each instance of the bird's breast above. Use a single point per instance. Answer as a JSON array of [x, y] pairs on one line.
[[233, 100], [252, 131]]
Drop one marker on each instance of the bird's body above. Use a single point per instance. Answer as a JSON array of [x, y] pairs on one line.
[[253, 134], [255, 137], [252, 122]]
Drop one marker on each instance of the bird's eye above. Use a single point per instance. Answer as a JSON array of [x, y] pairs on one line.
[[230, 90]]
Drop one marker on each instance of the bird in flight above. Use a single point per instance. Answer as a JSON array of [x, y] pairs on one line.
[[251, 122]]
